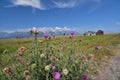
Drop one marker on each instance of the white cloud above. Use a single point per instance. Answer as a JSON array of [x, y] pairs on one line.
[[41, 29], [33, 3], [56, 29], [71, 3], [66, 4], [38, 4], [8, 31]]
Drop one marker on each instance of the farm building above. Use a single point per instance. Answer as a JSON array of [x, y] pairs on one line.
[[89, 33], [99, 32]]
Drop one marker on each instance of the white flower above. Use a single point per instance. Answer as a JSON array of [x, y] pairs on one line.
[[42, 55], [47, 68], [65, 71]]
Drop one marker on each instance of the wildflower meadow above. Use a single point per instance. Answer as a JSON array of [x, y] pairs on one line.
[[55, 57]]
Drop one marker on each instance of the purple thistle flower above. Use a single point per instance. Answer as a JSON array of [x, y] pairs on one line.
[[56, 75], [84, 77], [72, 32], [46, 35], [53, 67], [58, 49], [34, 31], [31, 31], [70, 37], [96, 47], [84, 57]]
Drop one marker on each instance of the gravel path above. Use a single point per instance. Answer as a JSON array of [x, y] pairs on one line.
[[111, 72]]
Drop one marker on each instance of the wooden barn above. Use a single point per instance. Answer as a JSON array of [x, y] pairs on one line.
[[100, 32]]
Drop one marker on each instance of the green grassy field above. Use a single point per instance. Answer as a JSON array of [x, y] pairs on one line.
[[86, 42], [102, 47]]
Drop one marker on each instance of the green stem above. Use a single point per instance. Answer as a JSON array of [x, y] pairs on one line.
[[47, 76]]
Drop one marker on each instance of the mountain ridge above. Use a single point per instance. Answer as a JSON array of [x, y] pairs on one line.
[[25, 33]]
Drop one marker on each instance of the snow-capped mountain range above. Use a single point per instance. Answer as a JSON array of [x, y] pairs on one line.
[[22, 33]]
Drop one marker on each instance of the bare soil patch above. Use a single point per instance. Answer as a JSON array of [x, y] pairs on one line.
[[112, 71]]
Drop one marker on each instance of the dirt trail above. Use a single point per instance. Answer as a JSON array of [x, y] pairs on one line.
[[112, 72]]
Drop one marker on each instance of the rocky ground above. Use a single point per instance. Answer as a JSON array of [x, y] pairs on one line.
[[112, 71]]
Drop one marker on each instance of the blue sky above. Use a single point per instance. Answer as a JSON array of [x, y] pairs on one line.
[[74, 14]]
